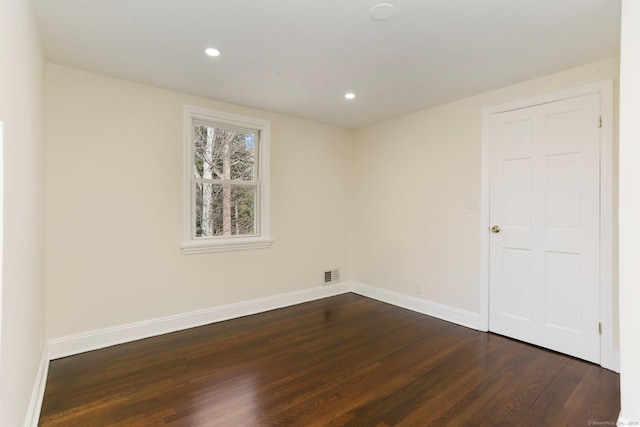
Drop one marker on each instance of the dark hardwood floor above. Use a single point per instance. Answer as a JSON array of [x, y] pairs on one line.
[[345, 360]]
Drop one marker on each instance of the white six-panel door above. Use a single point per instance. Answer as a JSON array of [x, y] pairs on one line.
[[544, 184]]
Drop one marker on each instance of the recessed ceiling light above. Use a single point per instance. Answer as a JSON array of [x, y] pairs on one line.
[[382, 11], [350, 95], [212, 51]]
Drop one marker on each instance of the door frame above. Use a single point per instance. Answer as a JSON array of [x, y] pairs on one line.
[[609, 358], [1, 227]]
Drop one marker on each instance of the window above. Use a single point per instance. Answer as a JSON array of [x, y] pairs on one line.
[[226, 182]]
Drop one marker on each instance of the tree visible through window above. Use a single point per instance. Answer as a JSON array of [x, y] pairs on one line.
[[225, 181]]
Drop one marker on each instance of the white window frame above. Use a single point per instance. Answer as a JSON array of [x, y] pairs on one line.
[[262, 238]]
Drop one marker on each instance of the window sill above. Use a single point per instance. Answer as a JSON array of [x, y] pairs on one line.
[[226, 245]]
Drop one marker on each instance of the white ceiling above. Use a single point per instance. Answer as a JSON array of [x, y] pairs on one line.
[[299, 57]]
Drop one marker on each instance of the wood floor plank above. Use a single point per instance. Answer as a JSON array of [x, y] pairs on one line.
[[340, 361], [461, 398], [594, 406], [551, 405]]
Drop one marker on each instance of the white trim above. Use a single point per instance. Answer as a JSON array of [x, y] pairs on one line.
[[93, 340], [615, 362], [35, 403], [484, 224], [241, 244], [605, 89], [262, 239], [440, 311], [608, 354], [1, 229], [600, 87]]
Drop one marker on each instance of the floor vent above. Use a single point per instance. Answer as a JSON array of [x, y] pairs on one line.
[[331, 276]]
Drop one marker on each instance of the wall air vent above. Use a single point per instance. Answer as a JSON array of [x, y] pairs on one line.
[[331, 276]]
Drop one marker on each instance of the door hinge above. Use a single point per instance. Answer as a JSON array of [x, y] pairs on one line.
[[600, 125], [600, 328]]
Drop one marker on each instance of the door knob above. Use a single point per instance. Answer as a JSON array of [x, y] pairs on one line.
[[495, 229]]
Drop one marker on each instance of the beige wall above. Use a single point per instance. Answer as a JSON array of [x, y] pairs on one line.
[[114, 202], [629, 214], [22, 279], [412, 177]]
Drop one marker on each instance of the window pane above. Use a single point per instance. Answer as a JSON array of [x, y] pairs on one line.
[[224, 154], [225, 210]]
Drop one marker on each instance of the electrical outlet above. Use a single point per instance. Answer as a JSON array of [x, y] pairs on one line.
[[417, 288]]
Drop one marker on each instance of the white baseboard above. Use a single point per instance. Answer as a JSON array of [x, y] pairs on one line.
[[450, 314], [613, 364], [93, 340], [35, 403], [443, 312]]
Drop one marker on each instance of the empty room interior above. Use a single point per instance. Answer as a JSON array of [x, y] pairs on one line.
[[364, 213]]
